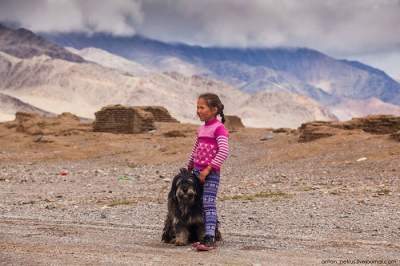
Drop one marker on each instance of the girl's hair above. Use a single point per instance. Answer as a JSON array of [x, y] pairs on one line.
[[214, 101]]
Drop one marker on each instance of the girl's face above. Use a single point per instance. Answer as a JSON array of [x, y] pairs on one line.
[[204, 112]]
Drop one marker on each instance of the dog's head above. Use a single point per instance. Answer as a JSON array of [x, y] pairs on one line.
[[185, 188]]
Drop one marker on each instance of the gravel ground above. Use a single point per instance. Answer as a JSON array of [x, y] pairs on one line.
[[280, 203]]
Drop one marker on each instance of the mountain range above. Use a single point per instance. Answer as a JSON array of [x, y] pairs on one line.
[[301, 70], [281, 87]]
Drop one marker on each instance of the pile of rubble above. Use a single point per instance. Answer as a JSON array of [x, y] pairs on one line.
[[35, 124]]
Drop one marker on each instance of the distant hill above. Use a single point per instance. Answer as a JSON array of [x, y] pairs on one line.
[[10, 105]]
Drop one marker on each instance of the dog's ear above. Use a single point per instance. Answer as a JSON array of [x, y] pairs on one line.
[[184, 171], [174, 185]]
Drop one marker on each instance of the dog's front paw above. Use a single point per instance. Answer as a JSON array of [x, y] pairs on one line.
[[180, 242]]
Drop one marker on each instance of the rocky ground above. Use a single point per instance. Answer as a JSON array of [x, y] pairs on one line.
[[78, 197]]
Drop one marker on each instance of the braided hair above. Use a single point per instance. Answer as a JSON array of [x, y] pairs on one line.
[[214, 101]]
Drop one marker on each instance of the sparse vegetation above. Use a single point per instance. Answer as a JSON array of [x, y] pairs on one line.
[[117, 202], [263, 194]]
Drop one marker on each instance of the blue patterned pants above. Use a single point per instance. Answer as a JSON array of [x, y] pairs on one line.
[[210, 200]]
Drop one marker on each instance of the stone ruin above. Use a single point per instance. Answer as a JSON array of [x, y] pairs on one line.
[[373, 124], [122, 119], [130, 119], [45, 128], [160, 113], [233, 123]]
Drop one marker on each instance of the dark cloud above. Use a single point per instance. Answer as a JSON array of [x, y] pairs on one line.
[[337, 27]]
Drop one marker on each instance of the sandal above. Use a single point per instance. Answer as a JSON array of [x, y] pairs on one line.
[[208, 244]]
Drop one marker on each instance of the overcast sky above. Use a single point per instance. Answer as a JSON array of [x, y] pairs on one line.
[[368, 30]]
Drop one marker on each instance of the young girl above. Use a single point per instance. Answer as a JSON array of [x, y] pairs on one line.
[[208, 154]]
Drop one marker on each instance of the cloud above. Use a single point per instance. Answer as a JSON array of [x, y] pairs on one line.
[[117, 17], [338, 27], [335, 26]]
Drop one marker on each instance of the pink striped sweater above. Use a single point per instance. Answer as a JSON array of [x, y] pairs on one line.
[[211, 146]]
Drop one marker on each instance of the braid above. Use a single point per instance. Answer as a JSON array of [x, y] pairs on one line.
[[221, 113]]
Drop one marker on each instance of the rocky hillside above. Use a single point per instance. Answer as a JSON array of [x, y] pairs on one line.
[[10, 105], [23, 43]]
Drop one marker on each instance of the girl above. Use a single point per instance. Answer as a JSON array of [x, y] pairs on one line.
[[209, 152]]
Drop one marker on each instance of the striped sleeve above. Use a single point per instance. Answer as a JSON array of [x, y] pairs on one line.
[[222, 154], [190, 164]]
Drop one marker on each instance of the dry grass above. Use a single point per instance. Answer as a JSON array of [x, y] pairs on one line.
[[263, 194], [118, 202]]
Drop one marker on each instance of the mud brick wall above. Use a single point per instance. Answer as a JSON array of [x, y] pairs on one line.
[[121, 119], [233, 122], [160, 113]]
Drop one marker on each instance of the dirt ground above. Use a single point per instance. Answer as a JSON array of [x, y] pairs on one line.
[[91, 198]]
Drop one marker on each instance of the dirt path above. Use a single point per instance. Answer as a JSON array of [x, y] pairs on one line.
[[31, 242]]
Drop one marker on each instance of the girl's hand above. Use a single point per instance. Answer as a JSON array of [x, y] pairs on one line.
[[203, 174]]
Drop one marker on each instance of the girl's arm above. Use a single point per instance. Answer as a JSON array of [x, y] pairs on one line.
[[222, 137]]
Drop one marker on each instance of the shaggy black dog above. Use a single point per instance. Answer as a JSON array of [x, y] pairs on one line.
[[185, 220]]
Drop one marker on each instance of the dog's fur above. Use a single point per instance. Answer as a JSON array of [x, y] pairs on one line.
[[185, 221]]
